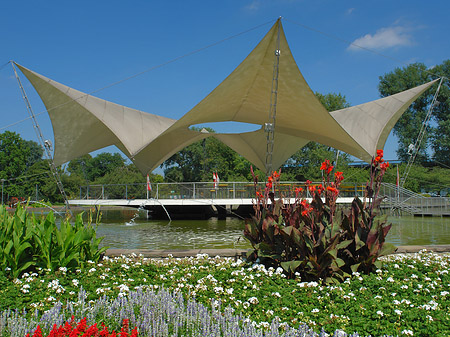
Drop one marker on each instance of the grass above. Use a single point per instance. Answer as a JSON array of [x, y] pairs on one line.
[[408, 296]]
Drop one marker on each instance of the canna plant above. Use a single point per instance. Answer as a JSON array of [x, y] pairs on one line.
[[29, 242], [310, 237], [363, 225]]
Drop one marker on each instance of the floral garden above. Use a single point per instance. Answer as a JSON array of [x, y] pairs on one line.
[[313, 270]]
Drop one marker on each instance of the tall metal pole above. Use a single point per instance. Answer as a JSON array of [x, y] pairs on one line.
[[269, 127], [3, 181]]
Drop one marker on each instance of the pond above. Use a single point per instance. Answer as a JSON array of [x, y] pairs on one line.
[[121, 231]]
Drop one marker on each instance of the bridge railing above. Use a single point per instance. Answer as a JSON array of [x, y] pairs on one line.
[[200, 190]]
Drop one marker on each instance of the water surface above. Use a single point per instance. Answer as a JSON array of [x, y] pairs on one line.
[[121, 232]]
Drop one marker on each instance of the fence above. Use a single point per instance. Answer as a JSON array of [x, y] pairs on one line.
[[199, 190], [396, 199]]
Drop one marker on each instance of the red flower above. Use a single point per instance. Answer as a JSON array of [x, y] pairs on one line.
[[306, 207], [338, 176], [379, 157], [298, 190], [384, 166], [326, 166], [308, 182], [269, 182], [320, 189], [332, 189], [134, 332], [312, 188], [37, 332]]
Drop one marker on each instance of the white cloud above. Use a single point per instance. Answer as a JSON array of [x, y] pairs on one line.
[[396, 36], [350, 11], [254, 5]]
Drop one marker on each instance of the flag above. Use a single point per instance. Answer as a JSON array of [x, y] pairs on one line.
[[149, 185], [397, 181], [216, 180]]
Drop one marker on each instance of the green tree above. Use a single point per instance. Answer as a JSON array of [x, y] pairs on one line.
[[17, 156], [79, 166], [199, 160], [92, 168], [104, 163], [441, 135]]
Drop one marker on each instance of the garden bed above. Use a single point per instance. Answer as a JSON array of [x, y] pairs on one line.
[[409, 295]]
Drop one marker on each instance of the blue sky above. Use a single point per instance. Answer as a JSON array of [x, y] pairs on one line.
[[89, 45]]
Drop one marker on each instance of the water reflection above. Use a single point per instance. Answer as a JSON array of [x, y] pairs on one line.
[[409, 230], [214, 233], [177, 234]]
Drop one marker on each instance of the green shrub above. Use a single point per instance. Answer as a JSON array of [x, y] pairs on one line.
[[309, 238], [28, 242]]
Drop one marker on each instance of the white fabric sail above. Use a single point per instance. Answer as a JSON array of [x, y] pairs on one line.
[[83, 123], [370, 123]]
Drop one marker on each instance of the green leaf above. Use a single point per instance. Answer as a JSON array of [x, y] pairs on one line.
[[290, 266], [387, 248]]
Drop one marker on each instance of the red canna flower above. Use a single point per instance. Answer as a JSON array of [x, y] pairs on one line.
[[384, 166], [379, 157], [326, 166], [338, 177], [269, 182], [332, 189], [320, 189], [298, 190], [312, 188]]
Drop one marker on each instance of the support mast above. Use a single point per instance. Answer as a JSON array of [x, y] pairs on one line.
[[269, 127]]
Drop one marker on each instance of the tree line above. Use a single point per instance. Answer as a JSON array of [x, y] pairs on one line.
[[22, 168]]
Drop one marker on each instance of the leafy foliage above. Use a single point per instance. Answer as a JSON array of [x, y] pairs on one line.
[[28, 243], [197, 161], [308, 238]]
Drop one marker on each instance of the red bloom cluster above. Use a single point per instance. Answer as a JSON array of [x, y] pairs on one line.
[[338, 177], [71, 329], [379, 157], [378, 160], [326, 166], [306, 207], [271, 179]]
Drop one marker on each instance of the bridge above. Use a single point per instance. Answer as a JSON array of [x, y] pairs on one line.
[[202, 200]]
